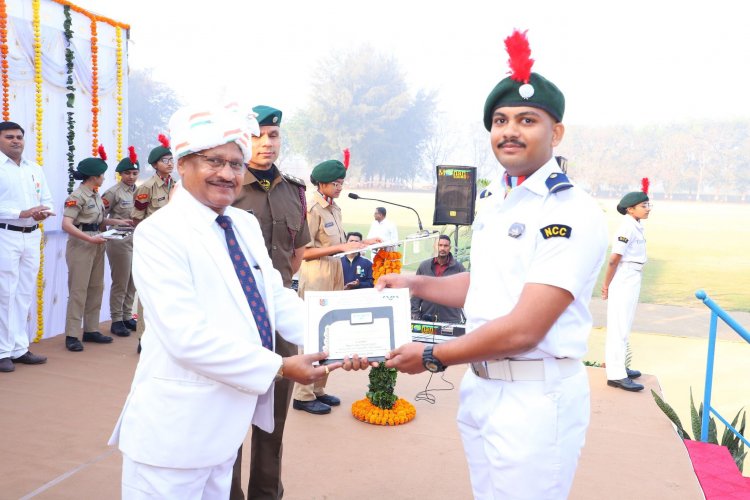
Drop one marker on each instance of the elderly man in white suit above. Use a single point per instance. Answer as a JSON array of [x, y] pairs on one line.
[[204, 374]]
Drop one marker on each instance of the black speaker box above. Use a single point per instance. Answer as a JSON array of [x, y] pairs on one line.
[[455, 195]]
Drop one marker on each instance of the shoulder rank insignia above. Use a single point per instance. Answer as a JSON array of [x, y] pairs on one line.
[[486, 193], [622, 238], [71, 203], [556, 231], [294, 180], [557, 182], [142, 196]]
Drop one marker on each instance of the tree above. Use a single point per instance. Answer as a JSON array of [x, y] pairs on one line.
[[360, 100], [150, 104]]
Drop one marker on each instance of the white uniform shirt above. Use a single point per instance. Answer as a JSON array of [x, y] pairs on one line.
[[385, 230], [630, 241], [21, 187], [535, 236]]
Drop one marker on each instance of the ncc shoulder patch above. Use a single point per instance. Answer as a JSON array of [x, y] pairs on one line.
[[71, 203], [622, 238], [142, 196], [294, 180], [557, 182], [556, 231], [485, 194]]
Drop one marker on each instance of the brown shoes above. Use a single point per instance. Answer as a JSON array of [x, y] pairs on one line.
[[29, 358]]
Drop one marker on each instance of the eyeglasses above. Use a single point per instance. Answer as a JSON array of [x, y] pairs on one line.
[[337, 184], [647, 204], [217, 164], [167, 161]]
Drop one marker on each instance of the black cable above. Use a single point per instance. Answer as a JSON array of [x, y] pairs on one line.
[[425, 395]]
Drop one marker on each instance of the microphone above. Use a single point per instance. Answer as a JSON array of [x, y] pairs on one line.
[[422, 231]]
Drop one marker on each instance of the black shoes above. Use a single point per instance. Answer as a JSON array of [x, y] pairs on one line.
[[30, 358], [119, 329], [329, 400], [96, 337], [625, 384], [632, 373], [315, 407], [6, 365], [73, 344], [130, 324]]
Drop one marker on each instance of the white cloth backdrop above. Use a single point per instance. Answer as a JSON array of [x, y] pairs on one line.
[[54, 127]]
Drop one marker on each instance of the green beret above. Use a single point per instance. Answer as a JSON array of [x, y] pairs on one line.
[[545, 95], [631, 200], [268, 115], [328, 171], [126, 164], [92, 167], [158, 153]]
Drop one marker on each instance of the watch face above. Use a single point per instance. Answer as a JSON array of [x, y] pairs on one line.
[[431, 366]]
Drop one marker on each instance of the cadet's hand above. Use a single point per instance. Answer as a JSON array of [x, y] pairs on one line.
[[372, 241], [407, 358], [353, 245], [605, 292], [97, 240], [351, 285], [394, 281], [122, 222], [300, 369], [356, 363]]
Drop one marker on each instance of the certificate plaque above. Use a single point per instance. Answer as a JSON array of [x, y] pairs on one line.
[[363, 322]]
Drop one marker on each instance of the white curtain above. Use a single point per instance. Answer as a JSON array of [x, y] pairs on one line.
[[54, 126]]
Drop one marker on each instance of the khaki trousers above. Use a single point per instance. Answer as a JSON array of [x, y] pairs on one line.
[[85, 285], [120, 255]]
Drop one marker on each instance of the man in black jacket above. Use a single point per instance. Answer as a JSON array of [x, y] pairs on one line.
[[442, 265]]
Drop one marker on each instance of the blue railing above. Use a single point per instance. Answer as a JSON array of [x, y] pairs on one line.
[[716, 312]]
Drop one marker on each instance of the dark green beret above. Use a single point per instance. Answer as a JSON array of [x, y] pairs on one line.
[[328, 171], [158, 153], [631, 200], [126, 164], [268, 115], [92, 167], [508, 92]]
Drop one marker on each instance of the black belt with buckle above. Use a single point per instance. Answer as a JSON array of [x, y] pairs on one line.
[[22, 229], [87, 227]]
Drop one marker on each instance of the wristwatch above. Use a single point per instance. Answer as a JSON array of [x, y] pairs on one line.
[[430, 362], [280, 373]]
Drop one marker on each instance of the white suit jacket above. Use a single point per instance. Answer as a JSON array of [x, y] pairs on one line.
[[203, 375]]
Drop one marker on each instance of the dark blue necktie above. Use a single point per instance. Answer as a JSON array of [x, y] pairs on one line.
[[245, 275]]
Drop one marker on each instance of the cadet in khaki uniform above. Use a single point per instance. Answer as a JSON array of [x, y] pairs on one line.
[[118, 203], [151, 196], [278, 202], [320, 270], [84, 254]]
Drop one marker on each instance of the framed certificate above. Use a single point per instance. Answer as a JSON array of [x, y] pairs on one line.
[[363, 322]]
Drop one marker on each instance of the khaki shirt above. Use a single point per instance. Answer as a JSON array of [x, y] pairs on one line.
[[118, 201], [281, 215], [326, 229], [84, 206], [150, 197]]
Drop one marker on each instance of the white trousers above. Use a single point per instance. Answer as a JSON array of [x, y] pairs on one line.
[[522, 439], [19, 264], [141, 481], [621, 304]]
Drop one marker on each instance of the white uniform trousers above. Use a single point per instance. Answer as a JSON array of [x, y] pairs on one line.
[[141, 481], [522, 439], [622, 301], [19, 265]]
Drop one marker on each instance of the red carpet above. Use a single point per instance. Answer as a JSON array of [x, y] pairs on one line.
[[717, 472]]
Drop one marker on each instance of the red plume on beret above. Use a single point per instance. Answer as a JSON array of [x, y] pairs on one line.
[[164, 141], [102, 153], [519, 56], [644, 185], [346, 158], [131, 154]]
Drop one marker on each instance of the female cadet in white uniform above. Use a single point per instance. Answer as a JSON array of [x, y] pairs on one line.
[[622, 286]]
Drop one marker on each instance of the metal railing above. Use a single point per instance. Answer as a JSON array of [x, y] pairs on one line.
[[716, 312]]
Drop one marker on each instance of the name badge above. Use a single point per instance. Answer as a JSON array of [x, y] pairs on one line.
[[126, 203], [328, 224], [162, 198], [91, 206]]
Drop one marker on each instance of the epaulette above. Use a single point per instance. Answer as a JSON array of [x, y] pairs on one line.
[[294, 180], [557, 182], [486, 193]]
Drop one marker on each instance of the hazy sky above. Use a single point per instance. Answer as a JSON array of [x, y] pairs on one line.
[[635, 62]]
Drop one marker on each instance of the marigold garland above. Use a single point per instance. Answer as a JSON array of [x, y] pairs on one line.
[[91, 15], [385, 262], [4, 57], [401, 413], [118, 35], [94, 88], [40, 160]]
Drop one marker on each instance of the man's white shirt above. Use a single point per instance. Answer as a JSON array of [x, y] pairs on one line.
[[21, 187], [385, 230]]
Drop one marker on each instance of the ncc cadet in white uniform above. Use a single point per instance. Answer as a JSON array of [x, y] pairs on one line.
[[537, 247], [622, 286]]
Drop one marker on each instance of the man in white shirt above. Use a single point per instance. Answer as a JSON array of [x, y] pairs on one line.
[[381, 228], [25, 200]]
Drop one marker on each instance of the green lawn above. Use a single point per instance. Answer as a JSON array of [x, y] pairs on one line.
[[690, 245]]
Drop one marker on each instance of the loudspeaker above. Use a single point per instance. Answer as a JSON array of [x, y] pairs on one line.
[[455, 195]]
